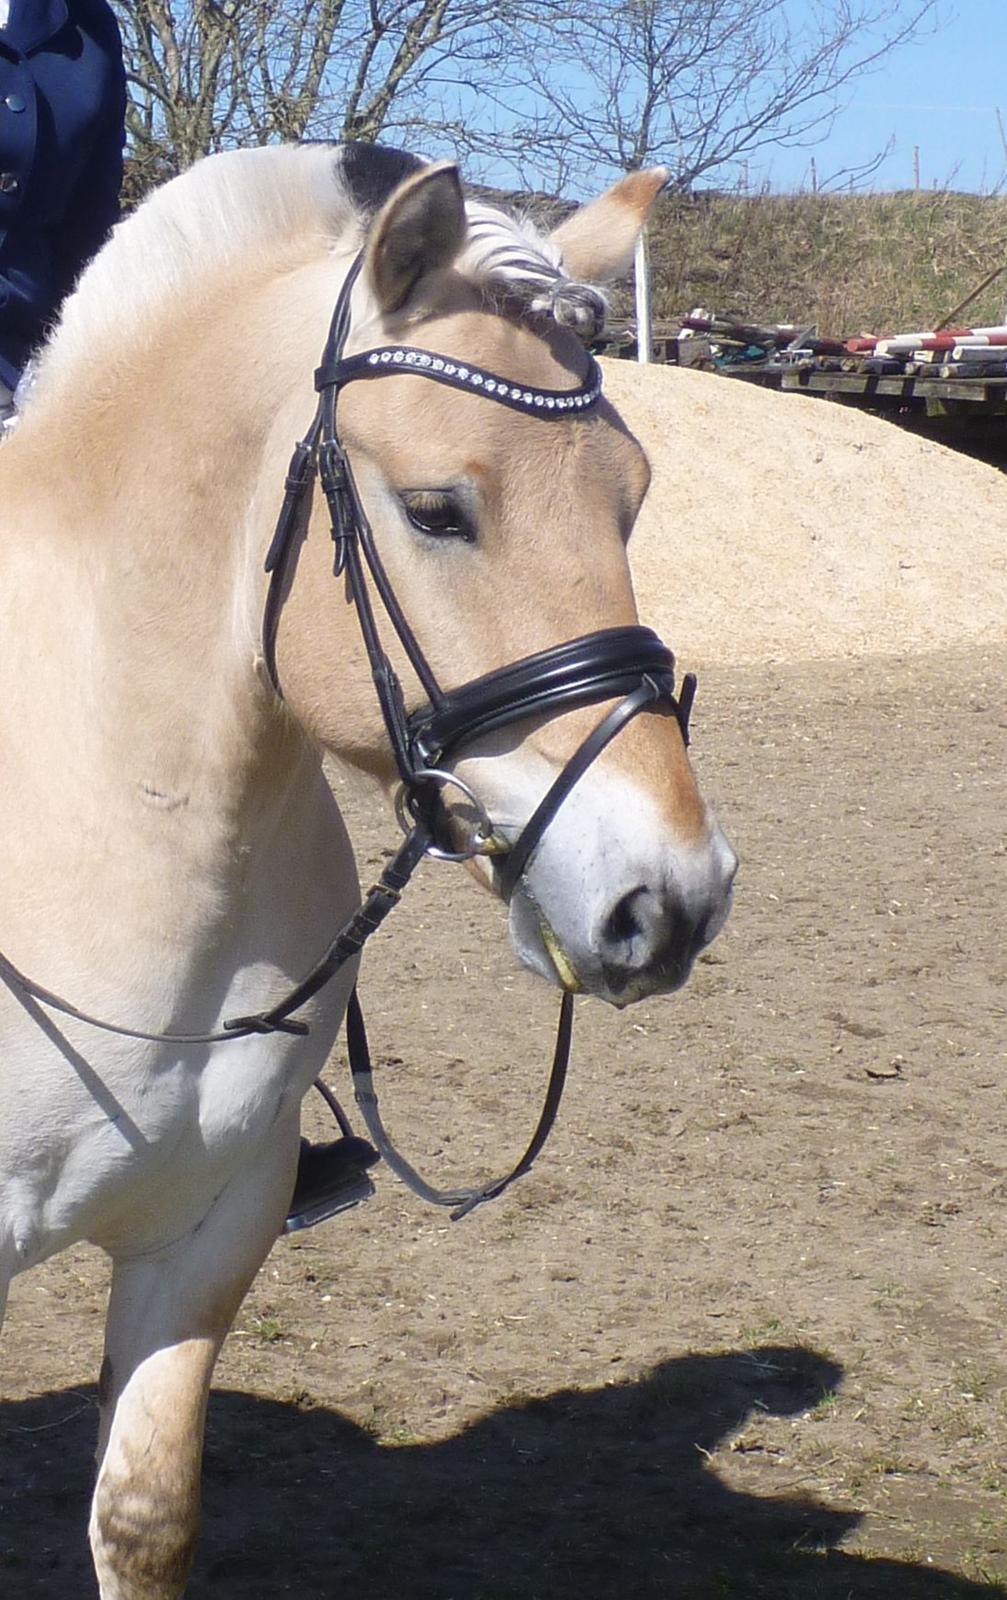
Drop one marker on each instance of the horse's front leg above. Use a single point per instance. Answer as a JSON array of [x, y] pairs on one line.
[[167, 1319]]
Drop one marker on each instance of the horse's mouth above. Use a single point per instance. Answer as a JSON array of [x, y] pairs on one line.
[[625, 986], [623, 959]]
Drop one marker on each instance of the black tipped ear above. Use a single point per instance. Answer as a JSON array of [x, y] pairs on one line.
[[420, 228]]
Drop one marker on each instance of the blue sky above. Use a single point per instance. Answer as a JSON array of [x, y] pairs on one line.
[[937, 103], [939, 94]]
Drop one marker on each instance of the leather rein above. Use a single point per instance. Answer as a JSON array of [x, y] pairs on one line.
[[629, 664]]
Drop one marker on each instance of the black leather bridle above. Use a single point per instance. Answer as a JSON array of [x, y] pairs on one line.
[[629, 665]]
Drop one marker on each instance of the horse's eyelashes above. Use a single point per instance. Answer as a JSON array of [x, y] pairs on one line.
[[439, 514]]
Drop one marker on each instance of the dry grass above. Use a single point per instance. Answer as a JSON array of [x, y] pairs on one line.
[[876, 262]]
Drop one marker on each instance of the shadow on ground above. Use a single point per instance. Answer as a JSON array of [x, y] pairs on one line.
[[589, 1494]]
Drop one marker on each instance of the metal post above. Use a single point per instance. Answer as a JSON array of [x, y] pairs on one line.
[[641, 279]]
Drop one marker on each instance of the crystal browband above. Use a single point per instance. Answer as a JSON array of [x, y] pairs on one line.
[[461, 375]]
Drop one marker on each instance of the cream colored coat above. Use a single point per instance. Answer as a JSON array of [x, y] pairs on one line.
[[172, 854]]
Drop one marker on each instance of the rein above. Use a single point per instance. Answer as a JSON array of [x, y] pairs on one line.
[[628, 664]]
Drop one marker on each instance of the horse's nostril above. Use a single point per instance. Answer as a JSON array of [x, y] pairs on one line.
[[644, 931], [622, 923]]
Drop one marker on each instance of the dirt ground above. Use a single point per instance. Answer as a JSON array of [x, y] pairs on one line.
[[741, 1332]]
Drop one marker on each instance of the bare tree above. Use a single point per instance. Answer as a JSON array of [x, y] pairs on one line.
[[208, 74], [180, 65], [553, 91], [697, 84]]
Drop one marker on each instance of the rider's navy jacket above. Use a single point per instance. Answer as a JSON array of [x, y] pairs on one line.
[[62, 110]]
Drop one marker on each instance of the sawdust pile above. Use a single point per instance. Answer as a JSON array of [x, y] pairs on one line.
[[781, 527]]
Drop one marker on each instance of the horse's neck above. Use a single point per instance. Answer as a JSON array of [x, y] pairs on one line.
[[136, 741], [124, 649]]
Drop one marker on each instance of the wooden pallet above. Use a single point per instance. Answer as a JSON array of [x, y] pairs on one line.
[[910, 390]]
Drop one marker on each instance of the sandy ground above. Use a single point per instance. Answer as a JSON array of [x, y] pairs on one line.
[[783, 527], [740, 1334]]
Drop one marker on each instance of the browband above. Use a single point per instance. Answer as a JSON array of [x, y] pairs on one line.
[[462, 375]]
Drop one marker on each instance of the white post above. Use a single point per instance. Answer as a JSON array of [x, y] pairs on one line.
[[641, 280]]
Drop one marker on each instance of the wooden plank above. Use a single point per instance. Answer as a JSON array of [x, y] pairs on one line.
[[981, 391], [989, 391]]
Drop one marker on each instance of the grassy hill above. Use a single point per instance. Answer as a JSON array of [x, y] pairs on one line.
[[847, 263]]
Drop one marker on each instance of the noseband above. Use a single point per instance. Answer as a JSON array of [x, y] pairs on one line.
[[629, 664]]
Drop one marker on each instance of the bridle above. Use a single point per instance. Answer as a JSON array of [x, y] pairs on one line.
[[627, 664]]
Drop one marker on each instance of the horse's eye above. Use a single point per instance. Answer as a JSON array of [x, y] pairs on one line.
[[438, 513]]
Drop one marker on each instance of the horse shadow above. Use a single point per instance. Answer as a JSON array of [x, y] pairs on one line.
[[585, 1494]]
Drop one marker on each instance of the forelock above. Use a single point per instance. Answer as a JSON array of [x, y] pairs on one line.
[[521, 269]]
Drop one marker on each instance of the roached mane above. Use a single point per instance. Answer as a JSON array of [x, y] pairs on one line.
[[273, 205]]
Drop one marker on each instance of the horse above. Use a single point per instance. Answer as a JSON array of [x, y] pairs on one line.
[[174, 858]]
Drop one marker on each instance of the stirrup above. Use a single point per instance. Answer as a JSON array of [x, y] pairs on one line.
[[330, 1178]]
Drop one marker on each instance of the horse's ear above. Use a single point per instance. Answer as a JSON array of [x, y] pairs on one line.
[[420, 227], [598, 241]]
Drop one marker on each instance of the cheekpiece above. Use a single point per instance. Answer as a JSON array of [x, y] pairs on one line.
[[462, 375]]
